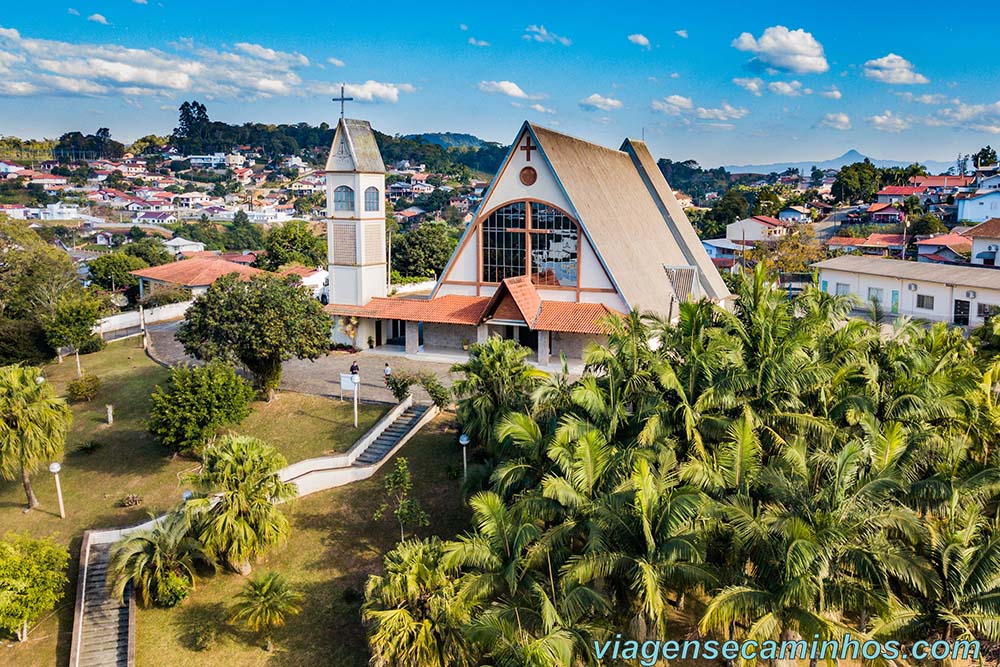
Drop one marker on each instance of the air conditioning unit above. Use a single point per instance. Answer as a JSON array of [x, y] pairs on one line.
[[912, 287], [991, 248], [970, 294]]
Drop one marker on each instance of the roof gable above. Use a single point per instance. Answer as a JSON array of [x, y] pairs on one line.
[[354, 149], [515, 299], [985, 230]]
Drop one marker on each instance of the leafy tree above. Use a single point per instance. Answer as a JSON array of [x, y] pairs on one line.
[[150, 250], [984, 156], [264, 604], [72, 324], [793, 253], [23, 342], [292, 243], [113, 271], [33, 273], [816, 176], [236, 511], [258, 323], [927, 223], [243, 234], [159, 561], [731, 207], [32, 581], [406, 510], [415, 610], [33, 425], [857, 182], [423, 250], [196, 401]]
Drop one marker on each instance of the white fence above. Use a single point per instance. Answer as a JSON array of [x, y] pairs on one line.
[[135, 321]]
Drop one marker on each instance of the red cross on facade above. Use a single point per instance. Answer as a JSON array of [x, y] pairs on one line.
[[527, 148]]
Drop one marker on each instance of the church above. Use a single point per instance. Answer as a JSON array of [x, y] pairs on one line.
[[568, 233]]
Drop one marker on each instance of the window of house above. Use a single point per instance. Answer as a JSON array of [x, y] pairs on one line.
[[343, 199], [530, 238], [876, 294], [986, 310], [925, 302], [371, 199], [843, 289]]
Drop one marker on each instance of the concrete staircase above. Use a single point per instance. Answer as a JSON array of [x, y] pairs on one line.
[[388, 439], [105, 627]]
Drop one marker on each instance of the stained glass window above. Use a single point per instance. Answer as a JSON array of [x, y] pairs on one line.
[[553, 237]]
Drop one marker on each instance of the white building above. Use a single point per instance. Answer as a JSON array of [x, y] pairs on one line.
[[213, 161], [757, 228], [979, 207], [795, 214], [985, 242], [940, 292], [179, 245]]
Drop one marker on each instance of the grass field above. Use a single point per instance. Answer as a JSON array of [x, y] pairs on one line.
[[128, 460]]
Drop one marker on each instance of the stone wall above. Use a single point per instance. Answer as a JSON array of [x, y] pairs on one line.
[[450, 336], [570, 344]]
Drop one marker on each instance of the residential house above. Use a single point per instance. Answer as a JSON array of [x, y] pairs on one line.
[[944, 249], [988, 183], [180, 245], [985, 242], [978, 207], [894, 194], [155, 218], [795, 214], [883, 245], [724, 252], [422, 188], [963, 295], [194, 274], [843, 244], [757, 228], [885, 214], [190, 200], [14, 211], [410, 215], [314, 279], [214, 161]]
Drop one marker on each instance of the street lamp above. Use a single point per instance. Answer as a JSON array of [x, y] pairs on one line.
[[356, 379], [186, 496], [54, 468], [464, 440]]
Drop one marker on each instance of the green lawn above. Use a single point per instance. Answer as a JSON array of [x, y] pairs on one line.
[[128, 460], [334, 546]]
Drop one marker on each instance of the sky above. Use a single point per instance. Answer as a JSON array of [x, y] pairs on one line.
[[719, 82]]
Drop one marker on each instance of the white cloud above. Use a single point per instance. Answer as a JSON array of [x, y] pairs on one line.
[[141, 2], [832, 93], [893, 69], [888, 122], [508, 88], [540, 109], [926, 98], [786, 88], [539, 33], [270, 55], [836, 121], [675, 75], [595, 101], [98, 18], [640, 40], [783, 49], [754, 85], [683, 34], [463, 27], [478, 42], [976, 117], [725, 112], [247, 71], [73, 12], [336, 62], [673, 105]]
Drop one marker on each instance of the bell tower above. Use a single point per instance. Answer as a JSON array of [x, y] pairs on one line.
[[355, 208]]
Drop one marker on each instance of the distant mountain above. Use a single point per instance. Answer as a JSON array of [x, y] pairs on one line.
[[850, 157], [449, 139]]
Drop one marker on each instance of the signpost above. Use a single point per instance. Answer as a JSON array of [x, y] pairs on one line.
[[351, 382]]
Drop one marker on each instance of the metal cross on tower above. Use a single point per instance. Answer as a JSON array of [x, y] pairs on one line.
[[342, 99]]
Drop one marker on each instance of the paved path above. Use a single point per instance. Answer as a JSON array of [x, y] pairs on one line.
[[322, 376]]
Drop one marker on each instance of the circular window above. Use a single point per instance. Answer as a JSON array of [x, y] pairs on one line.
[[529, 175]]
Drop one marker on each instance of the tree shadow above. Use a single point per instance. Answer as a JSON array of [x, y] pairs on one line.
[[201, 626]]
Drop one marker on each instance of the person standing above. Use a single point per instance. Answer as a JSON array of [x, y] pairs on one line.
[[355, 369], [387, 372]]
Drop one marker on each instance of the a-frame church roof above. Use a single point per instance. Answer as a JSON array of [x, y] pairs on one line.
[[354, 148], [631, 215]]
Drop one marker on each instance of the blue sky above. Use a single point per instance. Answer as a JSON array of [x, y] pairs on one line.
[[720, 82]]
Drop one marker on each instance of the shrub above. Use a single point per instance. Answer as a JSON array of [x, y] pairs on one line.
[[23, 342], [400, 383], [93, 344], [172, 590], [83, 389], [89, 447], [164, 296], [440, 394], [130, 500], [196, 402]]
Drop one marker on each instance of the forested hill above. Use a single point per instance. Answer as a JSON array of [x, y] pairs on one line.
[[449, 139]]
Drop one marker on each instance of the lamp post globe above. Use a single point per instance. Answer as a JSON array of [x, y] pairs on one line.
[[54, 468]]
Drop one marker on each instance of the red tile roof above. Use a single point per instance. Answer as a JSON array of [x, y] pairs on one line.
[[515, 299], [844, 241], [942, 181], [884, 207], [571, 317], [882, 240], [986, 230], [956, 242], [904, 190], [768, 220], [196, 272]]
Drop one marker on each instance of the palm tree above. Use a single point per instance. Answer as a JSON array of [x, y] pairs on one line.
[[264, 604], [237, 514], [148, 559], [496, 380], [33, 425], [415, 611]]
